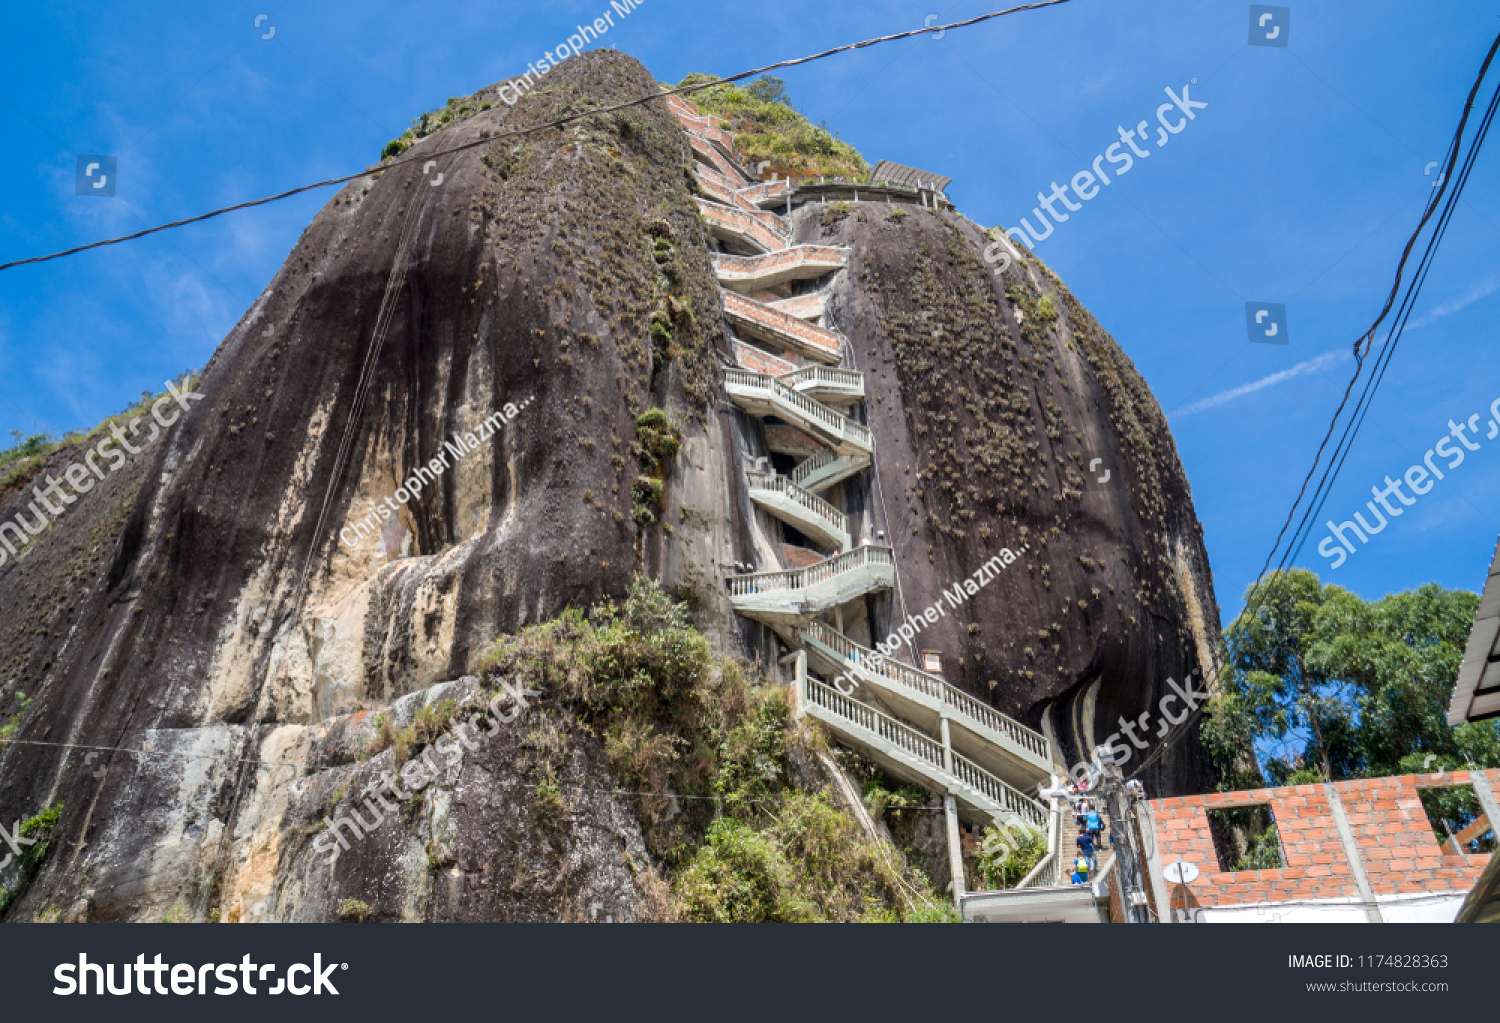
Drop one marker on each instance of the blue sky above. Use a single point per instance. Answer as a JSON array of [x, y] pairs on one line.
[[1298, 184]]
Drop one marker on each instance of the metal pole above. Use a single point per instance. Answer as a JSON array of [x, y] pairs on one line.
[[1128, 863]]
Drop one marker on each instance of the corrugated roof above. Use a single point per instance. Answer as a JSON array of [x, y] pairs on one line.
[[1476, 694], [900, 174]]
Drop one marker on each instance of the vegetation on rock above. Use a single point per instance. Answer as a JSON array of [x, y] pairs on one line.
[[718, 764], [767, 127], [18, 874], [424, 125]]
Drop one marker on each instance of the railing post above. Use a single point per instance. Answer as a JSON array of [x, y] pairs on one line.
[[947, 740]]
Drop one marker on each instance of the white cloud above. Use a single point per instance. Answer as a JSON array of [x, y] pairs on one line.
[[1301, 369], [1474, 294]]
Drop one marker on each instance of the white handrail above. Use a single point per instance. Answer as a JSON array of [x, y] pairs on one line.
[[928, 685], [831, 375], [808, 466], [996, 794], [977, 778], [802, 578], [775, 483], [926, 750], [837, 423]]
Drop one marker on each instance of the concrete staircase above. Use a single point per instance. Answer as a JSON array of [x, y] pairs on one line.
[[781, 329], [1068, 849], [793, 263], [823, 470], [907, 753], [912, 723], [801, 509], [796, 596], [763, 395], [827, 384], [750, 229], [1005, 746]]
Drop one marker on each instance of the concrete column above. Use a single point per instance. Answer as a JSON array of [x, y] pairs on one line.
[[798, 660], [1351, 853], [1151, 854], [955, 850], [947, 744], [1486, 795]]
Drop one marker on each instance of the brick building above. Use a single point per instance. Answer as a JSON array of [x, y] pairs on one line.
[[1352, 851]]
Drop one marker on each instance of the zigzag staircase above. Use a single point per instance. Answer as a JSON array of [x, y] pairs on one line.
[[915, 725]]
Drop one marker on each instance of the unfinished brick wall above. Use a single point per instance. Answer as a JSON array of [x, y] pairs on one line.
[[1386, 818], [761, 362], [799, 557]]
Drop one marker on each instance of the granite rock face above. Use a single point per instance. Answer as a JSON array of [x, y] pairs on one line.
[[203, 620], [991, 398]]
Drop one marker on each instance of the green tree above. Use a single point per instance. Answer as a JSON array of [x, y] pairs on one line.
[[767, 89], [1355, 688]]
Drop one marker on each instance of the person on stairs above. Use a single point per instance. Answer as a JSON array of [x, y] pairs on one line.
[[1086, 849], [1081, 870], [1091, 820]]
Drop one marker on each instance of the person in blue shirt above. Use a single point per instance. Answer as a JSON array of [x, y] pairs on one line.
[[1081, 870], [1094, 825], [1086, 848]]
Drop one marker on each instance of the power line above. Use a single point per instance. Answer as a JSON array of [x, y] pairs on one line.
[[681, 90], [1368, 336], [1382, 364], [309, 765]]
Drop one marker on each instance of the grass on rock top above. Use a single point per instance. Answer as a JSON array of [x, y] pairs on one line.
[[766, 126]]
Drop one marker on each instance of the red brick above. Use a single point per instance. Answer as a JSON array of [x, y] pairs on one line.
[[1318, 871]]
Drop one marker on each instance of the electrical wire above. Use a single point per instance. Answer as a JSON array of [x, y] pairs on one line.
[[680, 90], [1367, 337], [308, 765], [1381, 365]]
